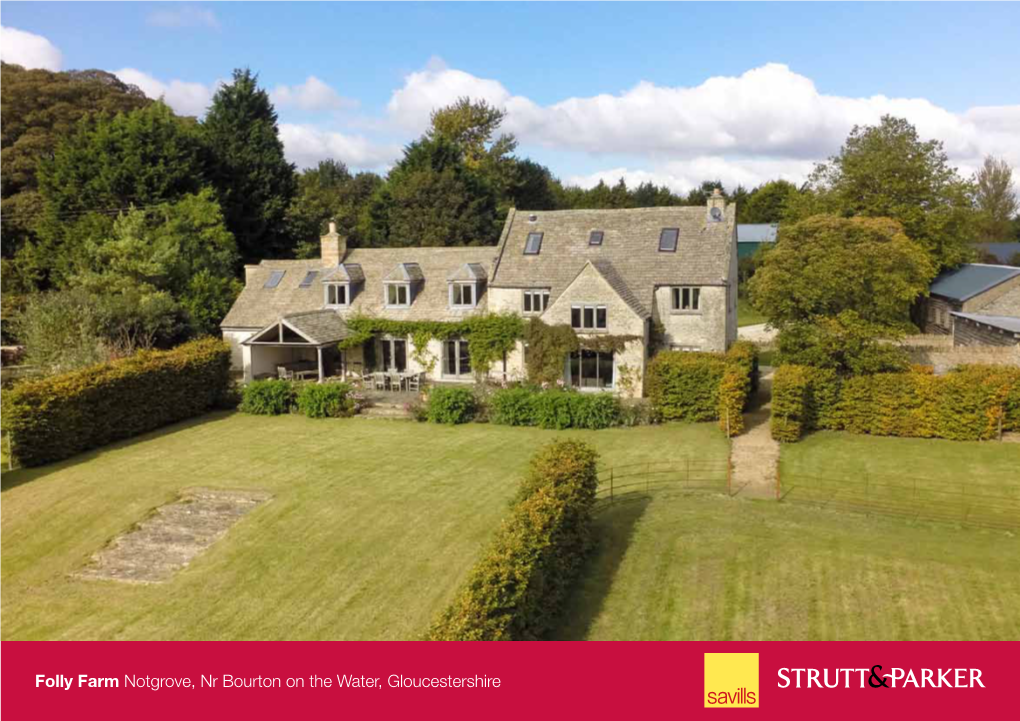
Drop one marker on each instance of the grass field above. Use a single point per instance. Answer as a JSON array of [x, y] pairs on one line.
[[949, 480], [746, 314], [372, 526], [710, 568]]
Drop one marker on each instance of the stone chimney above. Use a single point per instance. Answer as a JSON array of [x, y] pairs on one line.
[[334, 246], [716, 200], [249, 271]]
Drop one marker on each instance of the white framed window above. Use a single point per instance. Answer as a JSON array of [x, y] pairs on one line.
[[456, 358], [686, 299], [536, 301], [588, 317], [463, 295], [591, 370], [398, 295], [337, 295]]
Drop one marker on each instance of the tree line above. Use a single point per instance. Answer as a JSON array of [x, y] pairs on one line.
[[124, 219]]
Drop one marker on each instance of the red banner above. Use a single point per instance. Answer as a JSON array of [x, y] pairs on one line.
[[196, 680]]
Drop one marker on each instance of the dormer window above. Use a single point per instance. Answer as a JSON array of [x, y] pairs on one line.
[[534, 244], [595, 238], [398, 295], [463, 295], [667, 240], [337, 295]]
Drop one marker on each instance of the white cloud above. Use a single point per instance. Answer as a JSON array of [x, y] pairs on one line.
[[311, 95], [183, 97], [186, 16], [683, 175], [306, 145], [765, 120], [28, 49]]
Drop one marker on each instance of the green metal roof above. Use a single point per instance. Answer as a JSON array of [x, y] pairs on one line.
[[972, 279]]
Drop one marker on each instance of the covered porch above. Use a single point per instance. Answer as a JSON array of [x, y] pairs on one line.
[[301, 346]]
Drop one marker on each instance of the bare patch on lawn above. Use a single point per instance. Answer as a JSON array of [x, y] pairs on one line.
[[172, 535]]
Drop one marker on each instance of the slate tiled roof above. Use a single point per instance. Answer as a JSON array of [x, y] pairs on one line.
[[627, 295], [345, 273], [320, 326], [970, 280], [1005, 322], [257, 307], [630, 246]]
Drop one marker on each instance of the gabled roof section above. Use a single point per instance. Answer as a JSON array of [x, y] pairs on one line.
[[344, 273], [630, 244], [405, 273], [616, 282], [318, 326], [969, 280], [257, 307], [469, 272]]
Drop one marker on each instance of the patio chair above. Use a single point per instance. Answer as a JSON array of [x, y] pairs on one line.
[[413, 382], [396, 381], [379, 381], [284, 374]]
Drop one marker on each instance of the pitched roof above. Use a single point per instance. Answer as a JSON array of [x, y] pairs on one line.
[[257, 306], [405, 272], [757, 232], [345, 273], [1005, 322], [969, 280], [606, 269], [630, 245], [319, 326], [469, 271]]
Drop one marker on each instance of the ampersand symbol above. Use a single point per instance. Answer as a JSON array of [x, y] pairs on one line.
[[876, 677]]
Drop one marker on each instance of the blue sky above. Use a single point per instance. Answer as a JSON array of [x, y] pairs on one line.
[[667, 92]]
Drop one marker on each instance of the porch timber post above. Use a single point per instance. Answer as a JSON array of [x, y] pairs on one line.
[[319, 351]]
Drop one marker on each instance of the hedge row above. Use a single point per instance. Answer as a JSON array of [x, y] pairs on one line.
[[58, 416], [968, 404], [517, 590], [450, 405], [557, 409], [275, 397], [704, 386]]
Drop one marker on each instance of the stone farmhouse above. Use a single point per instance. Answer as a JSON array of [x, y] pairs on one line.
[[977, 304], [663, 277]]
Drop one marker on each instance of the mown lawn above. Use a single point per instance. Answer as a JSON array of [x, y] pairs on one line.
[[746, 314], [697, 567], [372, 526]]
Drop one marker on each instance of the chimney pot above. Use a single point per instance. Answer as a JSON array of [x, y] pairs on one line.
[[333, 247], [332, 227]]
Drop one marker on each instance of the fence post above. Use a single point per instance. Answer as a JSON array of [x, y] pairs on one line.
[[610, 486]]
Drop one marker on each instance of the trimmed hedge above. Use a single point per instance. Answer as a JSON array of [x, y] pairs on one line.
[[450, 405], [558, 409], [58, 416], [967, 404], [325, 400], [686, 386], [268, 397], [517, 590]]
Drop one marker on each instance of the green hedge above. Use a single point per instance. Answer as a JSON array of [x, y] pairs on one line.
[[325, 400], [517, 590], [685, 386], [967, 404], [558, 409], [58, 416], [450, 405], [268, 397]]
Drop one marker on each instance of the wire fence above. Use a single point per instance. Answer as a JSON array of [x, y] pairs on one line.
[[634, 481], [986, 504]]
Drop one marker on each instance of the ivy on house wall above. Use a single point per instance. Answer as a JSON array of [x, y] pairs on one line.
[[548, 345]]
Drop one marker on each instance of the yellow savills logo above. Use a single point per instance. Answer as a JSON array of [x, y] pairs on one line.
[[731, 680]]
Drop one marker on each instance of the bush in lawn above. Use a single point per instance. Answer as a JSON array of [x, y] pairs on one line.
[[450, 405], [595, 411], [61, 415], [268, 397], [513, 407], [554, 409], [325, 400], [517, 590]]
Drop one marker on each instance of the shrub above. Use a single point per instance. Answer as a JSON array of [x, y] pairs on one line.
[[513, 407], [517, 589], [555, 409], [704, 386], [450, 405], [970, 403], [326, 400], [56, 417], [268, 398]]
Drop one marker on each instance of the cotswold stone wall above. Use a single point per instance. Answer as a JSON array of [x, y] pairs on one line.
[[704, 330]]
